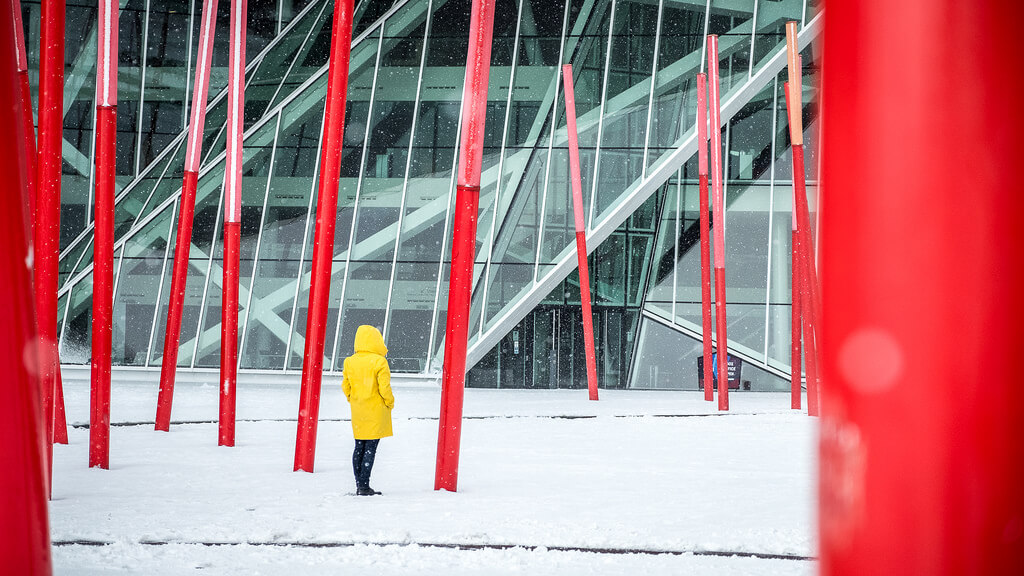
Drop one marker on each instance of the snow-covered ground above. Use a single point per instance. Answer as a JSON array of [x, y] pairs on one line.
[[549, 483]]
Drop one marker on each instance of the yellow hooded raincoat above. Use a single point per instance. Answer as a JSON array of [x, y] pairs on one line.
[[366, 381]]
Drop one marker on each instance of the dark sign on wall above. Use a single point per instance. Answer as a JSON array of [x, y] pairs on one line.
[[735, 371]]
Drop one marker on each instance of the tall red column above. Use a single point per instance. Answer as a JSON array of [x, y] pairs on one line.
[[46, 241], [24, 530], [718, 204], [323, 235], [232, 225], [183, 243], [581, 230], [922, 450], [705, 232], [103, 243], [467, 200]]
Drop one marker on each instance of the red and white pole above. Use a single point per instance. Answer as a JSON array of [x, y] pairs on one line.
[[922, 452], [581, 230], [183, 243], [24, 530], [460, 283], [811, 306], [103, 250], [705, 232], [46, 240], [718, 204], [323, 236], [232, 225]]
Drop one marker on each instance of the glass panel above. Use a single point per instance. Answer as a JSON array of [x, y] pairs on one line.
[[626, 101], [733, 22], [771, 26], [76, 342], [138, 284], [132, 204], [283, 233]]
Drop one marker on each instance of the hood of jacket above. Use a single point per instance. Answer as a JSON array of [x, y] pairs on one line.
[[368, 339]]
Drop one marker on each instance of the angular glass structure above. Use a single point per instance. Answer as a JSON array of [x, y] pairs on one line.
[[634, 64]]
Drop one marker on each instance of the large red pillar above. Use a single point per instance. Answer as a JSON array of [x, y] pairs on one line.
[[323, 235], [922, 445], [232, 226], [183, 243], [460, 282], [718, 205], [24, 528], [705, 233], [103, 243], [581, 230], [28, 133]]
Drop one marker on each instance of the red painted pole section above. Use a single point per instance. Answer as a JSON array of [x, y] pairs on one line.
[[232, 225], [46, 241], [183, 243], [705, 232], [24, 530], [795, 354], [922, 452], [467, 200], [323, 235], [581, 231], [28, 133], [103, 251], [718, 204]]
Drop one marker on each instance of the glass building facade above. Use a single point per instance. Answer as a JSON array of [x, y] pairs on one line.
[[634, 66]]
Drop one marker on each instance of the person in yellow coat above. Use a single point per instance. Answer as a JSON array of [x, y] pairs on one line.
[[366, 381]]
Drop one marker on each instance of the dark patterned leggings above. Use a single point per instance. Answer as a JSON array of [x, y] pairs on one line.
[[362, 461]]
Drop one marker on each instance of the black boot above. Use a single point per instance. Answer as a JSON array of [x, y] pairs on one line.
[[366, 491]]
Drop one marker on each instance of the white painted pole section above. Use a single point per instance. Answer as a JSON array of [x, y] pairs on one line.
[[201, 86], [106, 74], [236, 64]]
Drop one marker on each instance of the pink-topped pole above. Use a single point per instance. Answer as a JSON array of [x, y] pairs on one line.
[[46, 233], [705, 231], [581, 230], [323, 236], [718, 204], [467, 201], [103, 251], [811, 306], [232, 225], [24, 529], [922, 450], [183, 243]]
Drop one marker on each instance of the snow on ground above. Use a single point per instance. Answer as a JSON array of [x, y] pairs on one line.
[[549, 483]]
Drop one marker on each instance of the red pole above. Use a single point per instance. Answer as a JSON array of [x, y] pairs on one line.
[[718, 204], [581, 230], [103, 251], [795, 319], [922, 452], [183, 244], [811, 306], [323, 238], [467, 200], [232, 226], [705, 231], [24, 530], [28, 126], [46, 241]]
